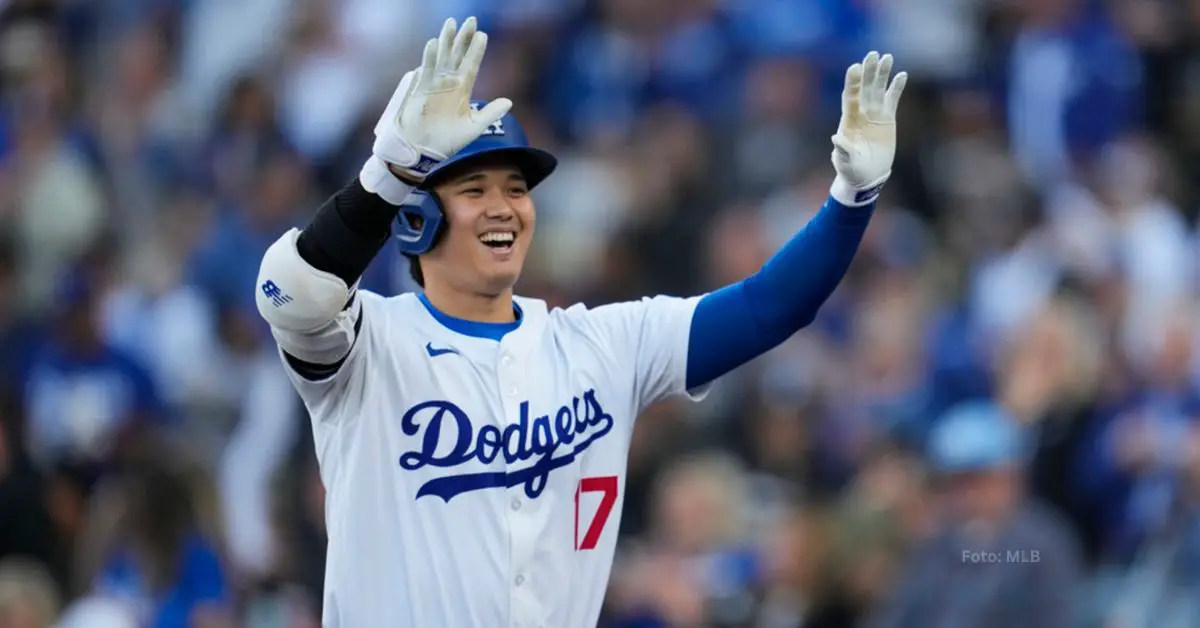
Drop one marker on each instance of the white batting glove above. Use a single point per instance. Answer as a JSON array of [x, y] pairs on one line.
[[865, 144], [430, 117]]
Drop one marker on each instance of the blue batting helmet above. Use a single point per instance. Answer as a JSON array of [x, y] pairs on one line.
[[420, 217]]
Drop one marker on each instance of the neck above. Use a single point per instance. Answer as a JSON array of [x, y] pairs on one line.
[[469, 306]]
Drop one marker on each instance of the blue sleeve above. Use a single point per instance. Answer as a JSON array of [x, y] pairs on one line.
[[205, 575], [202, 583], [741, 321]]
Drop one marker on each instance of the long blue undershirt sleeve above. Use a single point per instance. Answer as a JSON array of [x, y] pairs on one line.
[[741, 321]]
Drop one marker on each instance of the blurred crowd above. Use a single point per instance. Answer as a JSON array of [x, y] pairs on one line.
[[993, 422]]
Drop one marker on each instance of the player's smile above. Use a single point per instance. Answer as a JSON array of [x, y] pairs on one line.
[[500, 242]]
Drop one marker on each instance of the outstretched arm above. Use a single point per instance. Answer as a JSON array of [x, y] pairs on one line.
[[744, 320], [307, 281]]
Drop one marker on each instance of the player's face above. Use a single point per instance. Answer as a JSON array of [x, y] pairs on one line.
[[490, 220]]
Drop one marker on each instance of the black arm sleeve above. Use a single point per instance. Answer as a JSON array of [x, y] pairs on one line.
[[348, 231]]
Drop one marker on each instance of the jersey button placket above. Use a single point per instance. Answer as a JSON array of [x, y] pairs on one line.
[[508, 374], [519, 526], [507, 377]]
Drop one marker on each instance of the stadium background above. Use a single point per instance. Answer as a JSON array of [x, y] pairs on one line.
[[1035, 246]]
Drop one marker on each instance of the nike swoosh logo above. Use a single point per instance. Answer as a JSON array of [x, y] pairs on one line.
[[433, 353]]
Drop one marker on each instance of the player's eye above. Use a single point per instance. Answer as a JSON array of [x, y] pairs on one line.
[[473, 192], [518, 190]]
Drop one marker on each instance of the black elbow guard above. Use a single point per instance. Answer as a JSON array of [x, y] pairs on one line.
[[348, 231]]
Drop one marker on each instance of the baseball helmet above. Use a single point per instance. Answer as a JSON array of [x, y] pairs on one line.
[[420, 217]]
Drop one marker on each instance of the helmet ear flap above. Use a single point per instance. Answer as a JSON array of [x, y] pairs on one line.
[[419, 223]]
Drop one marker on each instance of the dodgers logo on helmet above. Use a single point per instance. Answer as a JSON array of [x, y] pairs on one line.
[[495, 128]]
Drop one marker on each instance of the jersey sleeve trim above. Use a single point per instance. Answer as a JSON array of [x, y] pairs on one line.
[[683, 339], [314, 372]]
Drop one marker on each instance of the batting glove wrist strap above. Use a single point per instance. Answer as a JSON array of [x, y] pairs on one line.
[[852, 195], [377, 178]]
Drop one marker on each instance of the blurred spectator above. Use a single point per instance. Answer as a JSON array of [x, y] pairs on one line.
[[253, 456], [696, 565], [1049, 379], [776, 118], [865, 535], [1157, 588], [59, 204], [27, 596], [1147, 445], [151, 542], [995, 558], [19, 331], [247, 131], [795, 588], [250, 33], [139, 126], [1070, 86], [84, 394], [225, 264], [298, 518], [27, 529], [98, 612]]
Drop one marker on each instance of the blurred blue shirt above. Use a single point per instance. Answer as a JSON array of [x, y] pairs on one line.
[[225, 266], [78, 403], [202, 581], [1067, 93], [1135, 504]]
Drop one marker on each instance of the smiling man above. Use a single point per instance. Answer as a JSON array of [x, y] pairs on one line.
[[473, 443]]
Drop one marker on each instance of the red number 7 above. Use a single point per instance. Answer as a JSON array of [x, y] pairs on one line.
[[606, 484]]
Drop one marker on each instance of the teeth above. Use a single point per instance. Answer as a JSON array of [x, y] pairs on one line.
[[506, 236]]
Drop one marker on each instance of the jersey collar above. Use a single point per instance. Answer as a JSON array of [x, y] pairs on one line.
[[475, 329]]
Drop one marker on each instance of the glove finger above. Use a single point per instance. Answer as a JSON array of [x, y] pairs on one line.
[[891, 100], [851, 92], [428, 63], [491, 113], [462, 41], [881, 82], [392, 112], [473, 59], [870, 65], [445, 44]]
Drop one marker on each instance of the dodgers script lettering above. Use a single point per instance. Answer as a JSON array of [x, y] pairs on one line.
[[554, 443]]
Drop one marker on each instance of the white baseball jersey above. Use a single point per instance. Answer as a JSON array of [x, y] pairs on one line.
[[475, 482]]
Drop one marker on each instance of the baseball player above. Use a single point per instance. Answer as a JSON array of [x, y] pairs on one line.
[[473, 443]]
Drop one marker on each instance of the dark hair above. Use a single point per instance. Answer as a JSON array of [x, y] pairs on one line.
[[162, 511], [12, 422], [414, 269], [8, 253], [414, 261]]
